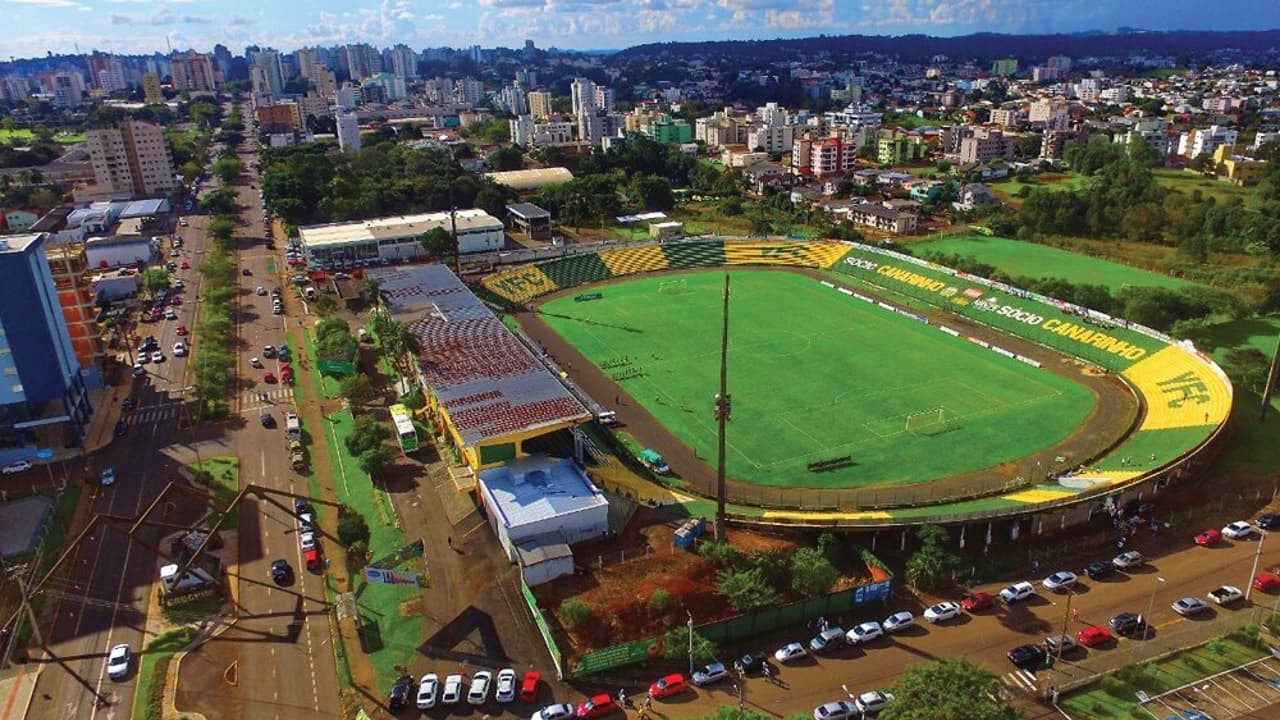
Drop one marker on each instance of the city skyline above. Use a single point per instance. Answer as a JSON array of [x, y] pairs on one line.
[[145, 26]]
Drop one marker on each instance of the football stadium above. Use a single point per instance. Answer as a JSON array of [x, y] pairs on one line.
[[868, 387]]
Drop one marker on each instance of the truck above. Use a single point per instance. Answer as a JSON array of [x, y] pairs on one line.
[[292, 427], [194, 579], [1226, 595], [297, 458]]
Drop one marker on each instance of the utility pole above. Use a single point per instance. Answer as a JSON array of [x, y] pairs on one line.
[[1257, 557], [1271, 382], [453, 234], [723, 410]]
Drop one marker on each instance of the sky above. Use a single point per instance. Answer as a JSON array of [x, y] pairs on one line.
[[144, 26]]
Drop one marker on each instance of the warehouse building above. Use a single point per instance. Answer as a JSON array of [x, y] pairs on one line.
[[396, 238]]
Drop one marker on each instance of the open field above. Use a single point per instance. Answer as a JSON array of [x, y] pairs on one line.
[[1007, 190], [1252, 449], [1188, 182], [21, 137], [1018, 258], [815, 375]]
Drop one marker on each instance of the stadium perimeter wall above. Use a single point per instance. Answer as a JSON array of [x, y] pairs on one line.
[[1186, 397]]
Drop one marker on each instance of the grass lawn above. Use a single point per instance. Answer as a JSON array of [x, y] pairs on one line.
[[1188, 182], [153, 663], [1252, 449], [810, 380], [1115, 696], [706, 217], [1018, 258], [1007, 190], [23, 136], [224, 472], [392, 615]]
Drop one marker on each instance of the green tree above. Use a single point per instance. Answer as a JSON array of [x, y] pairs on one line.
[[574, 613], [366, 434], [375, 460], [356, 389], [659, 601], [931, 566], [438, 242], [371, 292], [651, 192], [812, 574], [506, 158], [760, 225], [227, 169], [325, 305], [746, 589], [154, 280], [675, 646], [352, 527], [950, 689]]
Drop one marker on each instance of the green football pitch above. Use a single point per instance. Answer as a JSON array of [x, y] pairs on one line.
[[815, 374]]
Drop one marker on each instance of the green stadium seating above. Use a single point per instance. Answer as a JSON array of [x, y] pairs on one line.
[[576, 270]]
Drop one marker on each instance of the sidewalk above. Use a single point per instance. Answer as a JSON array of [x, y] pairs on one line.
[[101, 430], [16, 689]]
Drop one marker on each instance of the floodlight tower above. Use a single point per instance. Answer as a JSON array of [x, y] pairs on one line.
[[723, 411]]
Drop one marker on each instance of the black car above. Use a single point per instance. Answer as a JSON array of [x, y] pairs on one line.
[[399, 699], [246, 271], [268, 421], [122, 428], [280, 571], [127, 405], [752, 662], [1099, 569], [300, 506], [1269, 521], [1127, 623], [1028, 656]]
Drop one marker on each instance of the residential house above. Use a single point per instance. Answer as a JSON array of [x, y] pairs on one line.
[[973, 195], [764, 175]]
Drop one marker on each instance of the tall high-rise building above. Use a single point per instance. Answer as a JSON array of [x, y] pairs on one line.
[[192, 72], [308, 63], [222, 63], [43, 398], [604, 98], [131, 159], [269, 61], [348, 131], [469, 90], [514, 100], [111, 78], [540, 104], [151, 89], [582, 95], [326, 84], [67, 88], [404, 62]]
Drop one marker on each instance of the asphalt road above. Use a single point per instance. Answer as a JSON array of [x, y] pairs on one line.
[[276, 661], [105, 599]]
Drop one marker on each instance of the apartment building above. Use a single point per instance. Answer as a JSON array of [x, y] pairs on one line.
[[985, 144], [348, 132], [1008, 118], [131, 159], [1050, 113], [878, 217], [895, 146], [151, 90], [1204, 141], [540, 104], [773, 138], [822, 157], [192, 72]]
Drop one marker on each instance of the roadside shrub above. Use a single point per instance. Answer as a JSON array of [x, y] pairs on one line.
[[659, 601], [574, 613], [352, 527]]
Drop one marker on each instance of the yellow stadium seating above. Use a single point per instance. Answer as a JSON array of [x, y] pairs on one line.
[[521, 285], [627, 261], [804, 254], [1180, 391]]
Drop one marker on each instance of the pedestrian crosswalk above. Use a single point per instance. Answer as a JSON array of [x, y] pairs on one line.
[[164, 412], [253, 400], [1019, 681]]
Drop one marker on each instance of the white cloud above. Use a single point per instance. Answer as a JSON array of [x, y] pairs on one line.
[[47, 3]]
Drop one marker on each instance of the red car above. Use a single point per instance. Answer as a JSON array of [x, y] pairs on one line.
[[529, 686], [1266, 582], [185, 265], [667, 686], [176, 300], [977, 601], [268, 377], [597, 706], [1209, 538], [1093, 636], [182, 330]]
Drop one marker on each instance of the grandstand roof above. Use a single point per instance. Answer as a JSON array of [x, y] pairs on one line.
[[488, 382], [531, 179], [392, 228], [538, 488]]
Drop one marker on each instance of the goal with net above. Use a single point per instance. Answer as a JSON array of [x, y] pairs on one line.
[[674, 287], [929, 422]]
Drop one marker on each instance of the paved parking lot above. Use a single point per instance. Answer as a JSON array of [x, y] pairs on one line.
[[1250, 691]]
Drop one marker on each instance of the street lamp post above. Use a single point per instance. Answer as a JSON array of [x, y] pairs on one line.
[[690, 626], [1151, 606], [1257, 557]]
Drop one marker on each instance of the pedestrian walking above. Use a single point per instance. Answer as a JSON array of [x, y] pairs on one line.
[[622, 697], [648, 703], [1075, 614]]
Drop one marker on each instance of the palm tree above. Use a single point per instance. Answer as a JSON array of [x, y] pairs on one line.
[[371, 291]]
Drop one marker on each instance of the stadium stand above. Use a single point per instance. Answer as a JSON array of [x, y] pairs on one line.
[[1180, 391], [628, 261], [821, 255], [695, 254], [576, 270], [521, 284]]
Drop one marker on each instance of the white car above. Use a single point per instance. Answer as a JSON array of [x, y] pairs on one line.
[[179, 349], [260, 290], [118, 662], [479, 691], [943, 611], [505, 689], [428, 689], [1130, 559], [452, 690], [1017, 592], [710, 674], [1061, 580], [898, 621], [873, 701], [1226, 594], [157, 357], [1238, 530], [255, 362], [837, 710], [16, 467], [107, 478], [865, 632], [139, 369], [1190, 606], [170, 314], [307, 540], [555, 712], [789, 652]]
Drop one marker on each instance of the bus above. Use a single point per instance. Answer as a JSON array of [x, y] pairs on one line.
[[405, 431]]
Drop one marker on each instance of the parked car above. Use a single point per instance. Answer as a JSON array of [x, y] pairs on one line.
[[710, 674], [752, 662], [1129, 559], [479, 691], [597, 706], [119, 659], [1099, 569], [428, 689], [828, 640], [1190, 606], [977, 601], [559, 711], [1226, 594], [280, 571], [1209, 538], [16, 467], [128, 404], [789, 652], [898, 621], [107, 477], [399, 698], [943, 611], [1093, 636], [308, 540], [504, 689], [180, 349], [1127, 623], [1266, 582], [1061, 580], [529, 688], [255, 362], [453, 689], [1058, 644], [667, 686], [1238, 530], [1028, 656], [836, 710], [1018, 592], [865, 632], [873, 701], [122, 429]]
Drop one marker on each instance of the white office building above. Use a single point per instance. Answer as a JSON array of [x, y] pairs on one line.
[[348, 131]]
